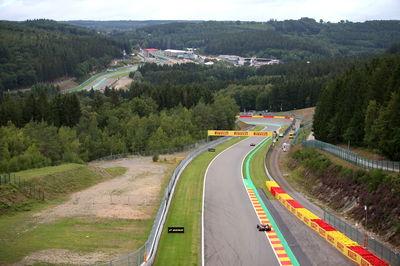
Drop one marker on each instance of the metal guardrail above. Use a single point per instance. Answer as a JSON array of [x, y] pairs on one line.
[[352, 157], [145, 254], [373, 245]]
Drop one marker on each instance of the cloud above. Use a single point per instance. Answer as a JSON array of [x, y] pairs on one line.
[[253, 10]]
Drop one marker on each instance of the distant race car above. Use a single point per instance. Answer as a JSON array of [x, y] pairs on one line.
[[252, 144], [264, 227]]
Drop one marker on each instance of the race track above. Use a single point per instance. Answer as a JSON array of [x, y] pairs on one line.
[[230, 234]]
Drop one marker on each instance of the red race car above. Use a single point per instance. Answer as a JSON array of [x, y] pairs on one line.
[[264, 227]]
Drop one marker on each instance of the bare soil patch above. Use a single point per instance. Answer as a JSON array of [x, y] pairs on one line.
[[134, 195], [60, 256], [123, 83]]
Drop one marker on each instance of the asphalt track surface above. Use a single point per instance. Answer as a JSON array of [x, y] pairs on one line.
[[230, 234], [105, 80]]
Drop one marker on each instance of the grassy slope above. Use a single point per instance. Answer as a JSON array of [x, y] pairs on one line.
[[45, 171], [185, 210], [20, 233], [257, 171]]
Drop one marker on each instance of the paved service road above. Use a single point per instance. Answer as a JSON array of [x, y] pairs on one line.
[[230, 234]]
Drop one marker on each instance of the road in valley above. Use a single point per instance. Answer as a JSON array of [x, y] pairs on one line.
[[104, 79]]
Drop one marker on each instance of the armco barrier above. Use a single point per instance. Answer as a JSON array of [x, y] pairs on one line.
[[373, 245], [345, 245], [145, 254]]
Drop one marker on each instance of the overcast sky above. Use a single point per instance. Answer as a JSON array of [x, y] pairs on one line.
[[245, 10]]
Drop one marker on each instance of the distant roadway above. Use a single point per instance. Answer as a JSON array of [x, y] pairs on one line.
[[104, 79]]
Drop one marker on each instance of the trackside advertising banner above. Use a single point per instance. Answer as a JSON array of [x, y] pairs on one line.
[[265, 116], [224, 133]]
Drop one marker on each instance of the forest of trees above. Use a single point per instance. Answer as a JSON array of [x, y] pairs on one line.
[[43, 50], [289, 40], [280, 87], [43, 127], [362, 106], [173, 106]]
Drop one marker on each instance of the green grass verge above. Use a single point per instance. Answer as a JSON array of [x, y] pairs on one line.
[[121, 75], [50, 170], [55, 182], [185, 210], [116, 171], [256, 168], [21, 235]]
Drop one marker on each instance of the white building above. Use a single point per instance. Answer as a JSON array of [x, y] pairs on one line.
[[181, 54]]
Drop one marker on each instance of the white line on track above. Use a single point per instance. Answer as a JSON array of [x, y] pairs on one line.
[[204, 191]]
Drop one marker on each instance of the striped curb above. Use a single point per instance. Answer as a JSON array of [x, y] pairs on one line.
[[280, 247], [273, 238], [345, 245]]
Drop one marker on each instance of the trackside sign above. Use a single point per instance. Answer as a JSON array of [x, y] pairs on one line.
[[239, 133], [174, 229]]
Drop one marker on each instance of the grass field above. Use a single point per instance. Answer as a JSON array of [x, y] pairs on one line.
[[121, 75], [45, 171], [185, 210], [254, 166], [20, 234]]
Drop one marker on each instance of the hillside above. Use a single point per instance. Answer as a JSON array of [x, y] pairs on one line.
[[361, 106], [43, 50], [288, 40], [117, 25], [348, 190]]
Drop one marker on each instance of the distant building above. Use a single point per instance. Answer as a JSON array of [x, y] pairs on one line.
[[180, 54], [149, 52], [257, 62], [233, 59]]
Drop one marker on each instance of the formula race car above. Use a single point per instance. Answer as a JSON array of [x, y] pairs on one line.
[[263, 227]]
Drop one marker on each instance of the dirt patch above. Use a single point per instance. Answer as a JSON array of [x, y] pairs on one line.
[[66, 83], [60, 256], [123, 83], [134, 195]]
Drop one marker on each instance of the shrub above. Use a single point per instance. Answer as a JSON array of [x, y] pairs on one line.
[[156, 157]]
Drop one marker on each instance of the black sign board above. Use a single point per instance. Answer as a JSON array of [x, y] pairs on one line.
[[174, 229], [211, 149]]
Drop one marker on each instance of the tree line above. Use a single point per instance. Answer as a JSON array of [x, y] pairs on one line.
[[38, 131], [43, 50], [290, 40], [279, 87], [362, 107]]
